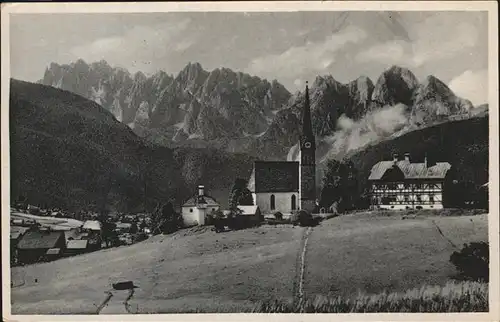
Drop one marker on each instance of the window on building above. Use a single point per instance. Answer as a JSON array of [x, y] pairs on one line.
[[407, 198], [294, 202], [273, 202], [190, 209], [419, 198], [431, 198]]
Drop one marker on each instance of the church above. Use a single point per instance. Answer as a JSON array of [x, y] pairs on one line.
[[287, 186]]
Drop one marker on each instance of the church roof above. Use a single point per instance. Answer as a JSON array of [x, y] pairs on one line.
[[274, 176], [411, 170]]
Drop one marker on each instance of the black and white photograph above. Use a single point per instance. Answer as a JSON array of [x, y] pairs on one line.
[[312, 158]]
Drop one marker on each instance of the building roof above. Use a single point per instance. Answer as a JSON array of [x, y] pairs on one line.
[[74, 233], [53, 251], [123, 225], [77, 244], [191, 202], [15, 234], [40, 239], [18, 229], [274, 176], [248, 210], [411, 170], [92, 225]]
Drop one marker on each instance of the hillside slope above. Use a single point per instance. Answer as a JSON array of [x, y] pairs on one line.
[[233, 271], [69, 152]]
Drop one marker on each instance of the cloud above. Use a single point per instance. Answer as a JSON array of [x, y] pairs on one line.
[[472, 85], [137, 47], [313, 56], [373, 127], [434, 39]]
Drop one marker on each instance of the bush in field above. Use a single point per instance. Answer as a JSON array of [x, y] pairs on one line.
[[472, 261], [306, 219], [453, 297]]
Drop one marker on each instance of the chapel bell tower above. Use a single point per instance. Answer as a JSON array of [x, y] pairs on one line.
[[307, 159]]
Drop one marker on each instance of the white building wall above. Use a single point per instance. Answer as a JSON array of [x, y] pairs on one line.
[[192, 216], [283, 202]]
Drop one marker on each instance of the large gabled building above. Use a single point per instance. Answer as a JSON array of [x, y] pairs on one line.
[[403, 184]]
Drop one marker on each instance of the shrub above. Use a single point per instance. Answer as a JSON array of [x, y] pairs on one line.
[[472, 261], [278, 216], [306, 219]]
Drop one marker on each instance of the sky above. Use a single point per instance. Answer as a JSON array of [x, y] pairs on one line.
[[292, 47]]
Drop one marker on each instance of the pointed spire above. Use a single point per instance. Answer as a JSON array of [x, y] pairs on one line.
[[306, 117]]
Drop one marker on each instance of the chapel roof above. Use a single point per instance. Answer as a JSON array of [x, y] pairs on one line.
[[274, 176]]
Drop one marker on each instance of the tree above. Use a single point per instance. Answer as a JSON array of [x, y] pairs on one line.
[[107, 228], [143, 224], [133, 228], [165, 219], [339, 185], [240, 194]]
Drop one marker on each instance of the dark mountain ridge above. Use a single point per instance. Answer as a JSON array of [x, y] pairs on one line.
[[67, 151]]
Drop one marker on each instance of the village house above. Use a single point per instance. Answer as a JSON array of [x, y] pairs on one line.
[[249, 215], [403, 184], [195, 209], [16, 232], [76, 241], [93, 228], [287, 186], [37, 245]]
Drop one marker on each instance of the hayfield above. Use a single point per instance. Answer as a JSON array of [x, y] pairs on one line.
[[198, 270]]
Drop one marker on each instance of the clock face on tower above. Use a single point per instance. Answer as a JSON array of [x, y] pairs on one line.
[[307, 145]]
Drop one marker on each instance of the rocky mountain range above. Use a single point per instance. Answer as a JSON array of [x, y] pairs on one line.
[[243, 113]]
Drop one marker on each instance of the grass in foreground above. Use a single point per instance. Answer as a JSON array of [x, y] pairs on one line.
[[453, 297]]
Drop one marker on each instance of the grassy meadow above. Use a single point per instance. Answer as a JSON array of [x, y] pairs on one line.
[[353, 263]]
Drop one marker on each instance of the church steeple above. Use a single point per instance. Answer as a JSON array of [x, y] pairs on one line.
[[307, 159], [307, 132]]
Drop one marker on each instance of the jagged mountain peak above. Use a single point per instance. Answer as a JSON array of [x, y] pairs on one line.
[[322, 82], [395, 85], [362, 80], [140, 77]]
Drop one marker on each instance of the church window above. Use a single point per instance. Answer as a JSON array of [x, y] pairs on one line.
[[190, 209], [294, 202], [273, 202]]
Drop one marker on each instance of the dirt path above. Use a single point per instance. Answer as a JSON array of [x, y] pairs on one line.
[[301, 267], [117, 302]]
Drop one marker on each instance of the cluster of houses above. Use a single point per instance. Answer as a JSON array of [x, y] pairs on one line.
[[43, 238], [30, 242]]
